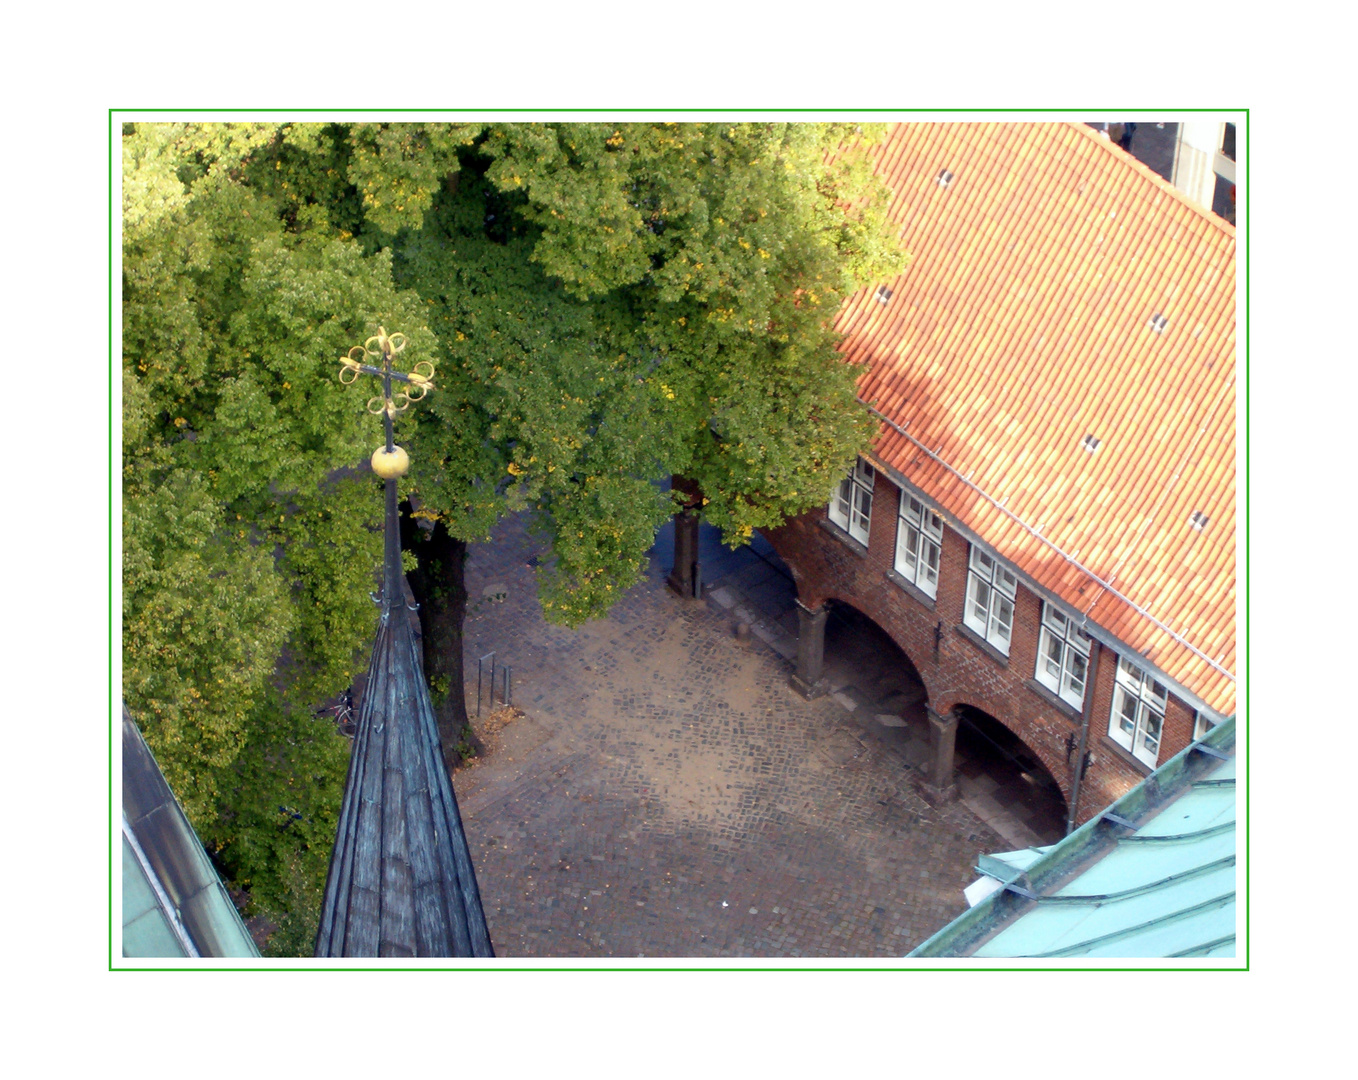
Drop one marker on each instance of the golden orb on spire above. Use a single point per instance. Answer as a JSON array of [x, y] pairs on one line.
[[389, 464]]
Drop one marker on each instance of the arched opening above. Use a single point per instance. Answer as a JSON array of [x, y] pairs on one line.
[[870, 673], [998, 771]]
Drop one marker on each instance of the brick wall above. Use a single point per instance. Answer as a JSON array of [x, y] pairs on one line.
[[828, 565]]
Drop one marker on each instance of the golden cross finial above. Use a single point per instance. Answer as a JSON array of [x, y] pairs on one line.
[[390, 461], [385, 346]]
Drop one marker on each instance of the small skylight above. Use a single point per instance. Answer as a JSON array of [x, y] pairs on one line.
[[883, 294], [945, 178], [1198, 520], [1091, 443], [1159, 322]]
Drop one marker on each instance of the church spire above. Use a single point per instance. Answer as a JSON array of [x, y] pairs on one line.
[[401, 881]]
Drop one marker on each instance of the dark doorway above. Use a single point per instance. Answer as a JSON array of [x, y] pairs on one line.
[[994, 764]]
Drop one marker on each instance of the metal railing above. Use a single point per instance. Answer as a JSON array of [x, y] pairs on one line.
[[506, 682]]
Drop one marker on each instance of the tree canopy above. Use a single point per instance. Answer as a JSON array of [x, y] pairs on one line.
[[605, 305]]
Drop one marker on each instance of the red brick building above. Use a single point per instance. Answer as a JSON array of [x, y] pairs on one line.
[[1046, 523]]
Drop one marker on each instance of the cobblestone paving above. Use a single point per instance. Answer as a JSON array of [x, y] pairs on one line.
[[665, 794]]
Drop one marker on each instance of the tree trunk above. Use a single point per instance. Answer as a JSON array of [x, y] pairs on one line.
[[440, 589], [683, 578]]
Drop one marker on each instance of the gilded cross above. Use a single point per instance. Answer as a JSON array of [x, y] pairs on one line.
[[389, 462], [385, 347]]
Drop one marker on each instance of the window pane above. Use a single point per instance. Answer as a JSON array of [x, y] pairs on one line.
[[1119, 730], [1080, 640], [1053, 618], [1004, 619], [983, 563], [908, 561], [839, 505], [1073, 689], [1051, 649], [933, 525], [1049, 659], [930, 552], [1150, 738], [978, 603], [1006, 582], [862, 511], [1128, 674], [1125, 707], [1076, 664]]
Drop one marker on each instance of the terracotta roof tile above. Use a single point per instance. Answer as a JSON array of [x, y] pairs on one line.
[[1022, 325]]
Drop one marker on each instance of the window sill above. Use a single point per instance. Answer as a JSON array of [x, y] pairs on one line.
[[911, 589], [981, 643], [1125, 755], [843, 537], [1055, 700]]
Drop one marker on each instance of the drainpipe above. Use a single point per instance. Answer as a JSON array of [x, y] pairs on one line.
[[1096, 651]]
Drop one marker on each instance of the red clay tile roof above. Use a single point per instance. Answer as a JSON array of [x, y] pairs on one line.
[[1022, 325]]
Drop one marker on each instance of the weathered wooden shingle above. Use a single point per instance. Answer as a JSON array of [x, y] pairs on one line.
[[401, 882]]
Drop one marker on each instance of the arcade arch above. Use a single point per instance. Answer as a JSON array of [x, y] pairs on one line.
[[963, 750], [993, 765]]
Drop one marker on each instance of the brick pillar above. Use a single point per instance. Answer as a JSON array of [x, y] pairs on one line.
[[808, 679], [942, 745]]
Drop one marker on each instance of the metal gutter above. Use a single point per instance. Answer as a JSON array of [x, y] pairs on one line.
[[1107, 586], [1094, 630]]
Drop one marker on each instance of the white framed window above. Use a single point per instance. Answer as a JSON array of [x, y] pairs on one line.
[[919, 539], [1201, 726], [1138, 712], [851, 504], [990, 599], [1062, 656]]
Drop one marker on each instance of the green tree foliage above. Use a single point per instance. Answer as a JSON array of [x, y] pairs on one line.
[[606, 305], [619, 303], [249, 540]]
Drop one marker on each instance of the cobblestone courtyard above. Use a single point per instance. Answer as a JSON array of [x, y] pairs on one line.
[[665, 794]]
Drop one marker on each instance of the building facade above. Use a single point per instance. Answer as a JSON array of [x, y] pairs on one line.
[[1045, 524]]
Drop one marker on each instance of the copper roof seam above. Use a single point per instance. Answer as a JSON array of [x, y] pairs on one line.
[[1073, 562]]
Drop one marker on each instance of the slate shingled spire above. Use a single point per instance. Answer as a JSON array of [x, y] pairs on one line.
[[401, 881]]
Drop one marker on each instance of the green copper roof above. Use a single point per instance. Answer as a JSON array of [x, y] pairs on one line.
[[1152, 876], [174, 904], [150, 927]]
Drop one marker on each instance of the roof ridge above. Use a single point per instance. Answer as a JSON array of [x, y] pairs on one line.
[[1156, 179]]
